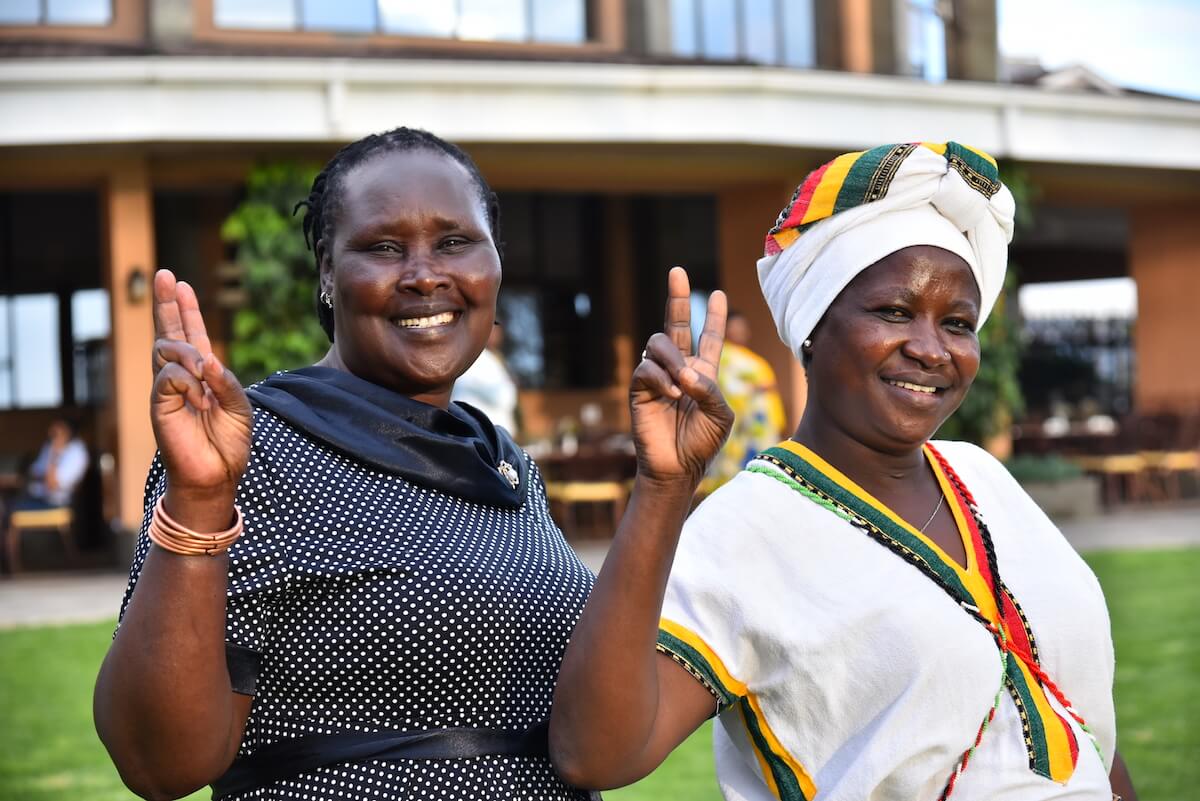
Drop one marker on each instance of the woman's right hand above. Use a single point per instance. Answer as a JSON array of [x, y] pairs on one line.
[[200, 413]]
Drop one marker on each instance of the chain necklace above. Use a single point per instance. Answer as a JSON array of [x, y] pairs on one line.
[[936, 509]]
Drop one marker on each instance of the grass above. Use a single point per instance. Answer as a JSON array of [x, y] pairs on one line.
[[49, 750]]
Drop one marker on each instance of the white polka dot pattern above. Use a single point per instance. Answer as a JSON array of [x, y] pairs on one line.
[[380, 604]]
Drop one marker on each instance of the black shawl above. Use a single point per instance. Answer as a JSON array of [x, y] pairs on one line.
[[456, 450]]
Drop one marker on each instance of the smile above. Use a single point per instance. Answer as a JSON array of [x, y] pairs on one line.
[[913, 387], [445, 318]]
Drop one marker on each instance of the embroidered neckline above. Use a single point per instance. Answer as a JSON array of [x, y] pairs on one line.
[[1049, 740]]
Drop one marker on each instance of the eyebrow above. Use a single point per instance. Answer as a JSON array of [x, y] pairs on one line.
[[908, 296]]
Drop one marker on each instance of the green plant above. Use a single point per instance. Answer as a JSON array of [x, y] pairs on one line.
[[1042, 469], [995, 398], [277, 327]]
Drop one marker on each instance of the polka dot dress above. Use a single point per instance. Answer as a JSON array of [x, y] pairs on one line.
[[380, 604]]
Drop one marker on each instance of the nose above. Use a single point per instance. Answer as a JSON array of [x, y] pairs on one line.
[[421, 275], [925, 343]]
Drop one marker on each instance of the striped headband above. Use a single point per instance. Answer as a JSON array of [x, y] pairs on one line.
[[863, 206]]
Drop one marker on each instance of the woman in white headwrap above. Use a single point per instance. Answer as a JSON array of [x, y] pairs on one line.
[[871, 615]]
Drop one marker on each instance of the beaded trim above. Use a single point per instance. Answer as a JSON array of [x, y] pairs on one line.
[[786, 475]]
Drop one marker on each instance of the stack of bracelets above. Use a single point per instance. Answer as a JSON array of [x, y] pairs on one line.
[[170, 535]]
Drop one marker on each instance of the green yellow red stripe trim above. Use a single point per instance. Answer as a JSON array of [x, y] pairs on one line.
[[841, 489], [783, 774], [1050, 741]]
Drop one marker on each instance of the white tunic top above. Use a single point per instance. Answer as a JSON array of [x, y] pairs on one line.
[[845, 672]]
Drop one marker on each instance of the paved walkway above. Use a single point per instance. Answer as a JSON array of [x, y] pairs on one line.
[[85, 597]]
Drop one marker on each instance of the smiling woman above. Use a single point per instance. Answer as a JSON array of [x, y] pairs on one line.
[[868, 613], [371, 624], [348, 585]]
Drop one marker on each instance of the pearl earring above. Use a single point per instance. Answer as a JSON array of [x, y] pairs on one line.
[[807, 344]]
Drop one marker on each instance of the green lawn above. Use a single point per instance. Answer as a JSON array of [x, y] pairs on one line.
[[49, 750]]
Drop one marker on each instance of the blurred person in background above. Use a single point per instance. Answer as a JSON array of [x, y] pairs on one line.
[[489, 386], [867, 613], [748, 384], [56, 472]]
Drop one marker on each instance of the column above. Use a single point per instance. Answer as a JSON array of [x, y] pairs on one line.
[[1164, 260], [129, 211]]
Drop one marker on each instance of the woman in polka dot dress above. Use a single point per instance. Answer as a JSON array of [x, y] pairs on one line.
[[390, 623]]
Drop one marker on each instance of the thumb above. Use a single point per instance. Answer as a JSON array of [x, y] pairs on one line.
[[225, 387], [705, 392]]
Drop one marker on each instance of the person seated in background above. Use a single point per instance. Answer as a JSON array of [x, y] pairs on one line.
[[58, 469]]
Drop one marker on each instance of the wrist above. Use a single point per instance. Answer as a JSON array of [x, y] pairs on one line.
[[202, 509], [665, 487]]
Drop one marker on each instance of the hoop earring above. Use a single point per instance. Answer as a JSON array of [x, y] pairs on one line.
[[328, 301]]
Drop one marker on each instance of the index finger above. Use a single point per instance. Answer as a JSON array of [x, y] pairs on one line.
[[678, 320], [167, 322]]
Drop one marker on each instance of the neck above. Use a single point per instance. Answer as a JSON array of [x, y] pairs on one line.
[[882, 473], [439, 398]]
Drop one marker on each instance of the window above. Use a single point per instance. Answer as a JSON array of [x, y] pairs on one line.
[[922, 32], [550, 21], [552, 302], [759, 31], [673, 229], [56, 12], [54, 320]]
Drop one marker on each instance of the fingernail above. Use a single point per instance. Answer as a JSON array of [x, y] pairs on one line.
[[674, 391], [688, 374]]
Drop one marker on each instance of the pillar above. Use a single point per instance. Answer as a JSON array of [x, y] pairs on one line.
[[129, 215], [1164, 260]]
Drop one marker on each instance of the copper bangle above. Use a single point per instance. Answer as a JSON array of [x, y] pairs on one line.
[[168, 533]]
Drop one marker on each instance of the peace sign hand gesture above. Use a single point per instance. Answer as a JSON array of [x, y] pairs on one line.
[[680, 418], [200, 413]]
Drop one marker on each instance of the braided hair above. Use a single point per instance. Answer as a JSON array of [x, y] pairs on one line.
[[323, 201]]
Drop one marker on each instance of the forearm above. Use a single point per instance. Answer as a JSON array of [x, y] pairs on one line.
[[1119, 778], [607, 697], [163, 703]]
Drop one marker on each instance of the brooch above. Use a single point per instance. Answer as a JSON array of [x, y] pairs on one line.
[[509, 473]]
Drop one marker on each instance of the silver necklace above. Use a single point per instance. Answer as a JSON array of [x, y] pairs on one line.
[[936, 509]]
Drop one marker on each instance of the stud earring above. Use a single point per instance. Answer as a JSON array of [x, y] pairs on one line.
[[328, 301], [807, 344]]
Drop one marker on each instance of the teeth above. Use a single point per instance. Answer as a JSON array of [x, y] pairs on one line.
[[913, 387], [427, 322]]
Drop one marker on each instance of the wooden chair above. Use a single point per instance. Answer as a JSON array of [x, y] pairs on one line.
[[570, 496], [59, 519], [1124, 475], [1167, 468]]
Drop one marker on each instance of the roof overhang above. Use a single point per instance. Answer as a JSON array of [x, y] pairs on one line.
[[130, 100]]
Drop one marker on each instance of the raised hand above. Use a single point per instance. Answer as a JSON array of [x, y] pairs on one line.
[[200, 413], [680, 419]]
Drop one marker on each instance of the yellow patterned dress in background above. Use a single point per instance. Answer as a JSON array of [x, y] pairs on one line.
[[748, 383]]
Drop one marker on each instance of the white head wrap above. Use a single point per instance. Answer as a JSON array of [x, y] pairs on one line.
[[947, 195]]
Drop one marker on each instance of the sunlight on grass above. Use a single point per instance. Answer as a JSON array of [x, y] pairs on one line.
[[49, 750]]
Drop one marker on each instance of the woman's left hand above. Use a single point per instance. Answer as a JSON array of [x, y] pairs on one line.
[[680, 418]]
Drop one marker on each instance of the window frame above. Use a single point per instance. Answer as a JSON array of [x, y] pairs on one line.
[[743, 51], [127, 25], [906, 45], [605, 23]]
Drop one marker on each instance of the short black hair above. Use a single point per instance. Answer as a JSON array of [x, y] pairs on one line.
[[321, 205]]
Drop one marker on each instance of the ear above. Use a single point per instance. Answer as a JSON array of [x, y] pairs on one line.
[[325, 267]]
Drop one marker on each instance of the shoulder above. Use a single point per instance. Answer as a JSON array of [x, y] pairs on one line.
[[747, 514]]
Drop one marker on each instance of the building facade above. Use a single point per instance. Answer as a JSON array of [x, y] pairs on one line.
[[623, 136]]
